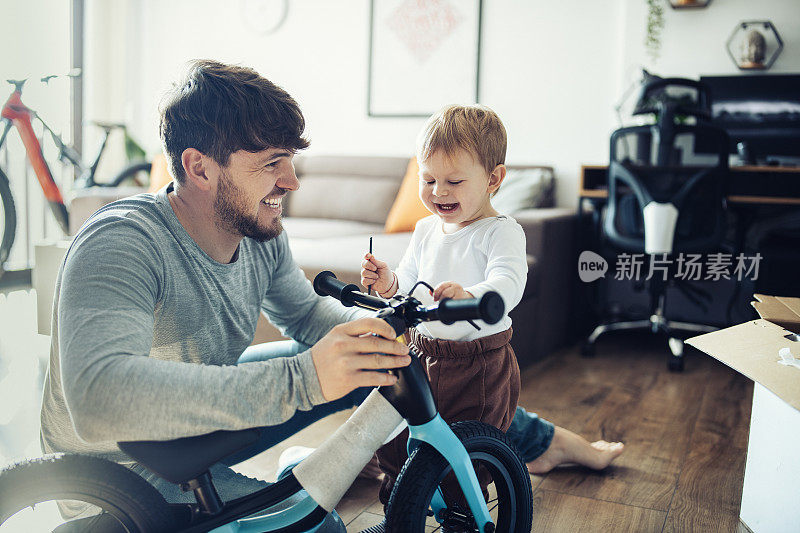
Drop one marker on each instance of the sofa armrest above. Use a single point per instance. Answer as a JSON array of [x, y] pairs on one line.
[[85, 202], [550, 234], [545, 225]]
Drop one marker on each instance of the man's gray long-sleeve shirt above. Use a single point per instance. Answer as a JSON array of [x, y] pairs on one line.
[[147, 329]]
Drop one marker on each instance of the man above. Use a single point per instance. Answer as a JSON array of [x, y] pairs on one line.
[[159, 295]]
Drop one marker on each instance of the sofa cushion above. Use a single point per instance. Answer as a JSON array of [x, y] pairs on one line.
[[345, 165], [310, 228], [525, 188], [361, 198], [407, 208], [346, 187], [159, 173]]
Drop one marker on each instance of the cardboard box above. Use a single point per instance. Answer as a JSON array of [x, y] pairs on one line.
[[768, 352]]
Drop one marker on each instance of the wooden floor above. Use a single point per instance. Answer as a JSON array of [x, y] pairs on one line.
[[685, 435]]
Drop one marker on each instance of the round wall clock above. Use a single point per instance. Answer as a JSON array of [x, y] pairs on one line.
[[263, 16]]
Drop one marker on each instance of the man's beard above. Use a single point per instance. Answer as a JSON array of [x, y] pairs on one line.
[[231, 213]]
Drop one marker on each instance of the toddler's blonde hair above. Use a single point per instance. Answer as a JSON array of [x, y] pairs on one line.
[[474, 128]]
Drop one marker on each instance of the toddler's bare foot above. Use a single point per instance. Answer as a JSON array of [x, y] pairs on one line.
[[569, 448]]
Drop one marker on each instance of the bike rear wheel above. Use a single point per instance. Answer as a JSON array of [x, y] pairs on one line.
[[35, 495], [8, 220], [511, 497], [136, 174]]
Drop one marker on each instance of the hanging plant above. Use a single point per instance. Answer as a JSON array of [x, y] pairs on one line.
[[655, 24]]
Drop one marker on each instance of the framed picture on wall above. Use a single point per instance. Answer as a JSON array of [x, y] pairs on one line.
[[422, 56]]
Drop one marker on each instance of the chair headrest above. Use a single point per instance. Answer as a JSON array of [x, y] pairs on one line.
[[680, 96]]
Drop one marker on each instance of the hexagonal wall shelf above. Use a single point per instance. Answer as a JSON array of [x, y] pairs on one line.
[[688, 4], [754, 45]]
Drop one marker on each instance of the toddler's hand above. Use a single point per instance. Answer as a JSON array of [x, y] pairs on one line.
[[376, 273], [450, 289]]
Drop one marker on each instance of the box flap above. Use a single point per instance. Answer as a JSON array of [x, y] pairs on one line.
[[781, 310], [752, 349]]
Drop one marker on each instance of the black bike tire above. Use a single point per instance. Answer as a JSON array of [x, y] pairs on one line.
[[421, 474], [130, 170], [112, 487], [9, 219]]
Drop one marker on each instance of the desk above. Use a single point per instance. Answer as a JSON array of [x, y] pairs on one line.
[[746, 185]]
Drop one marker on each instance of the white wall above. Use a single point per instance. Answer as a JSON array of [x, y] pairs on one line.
[[694, 40], [552, 70]]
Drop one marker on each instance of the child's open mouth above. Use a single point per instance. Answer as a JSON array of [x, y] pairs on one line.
[[446, 208]]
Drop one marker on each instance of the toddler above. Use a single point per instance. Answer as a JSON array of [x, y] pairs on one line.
[[463, 250]]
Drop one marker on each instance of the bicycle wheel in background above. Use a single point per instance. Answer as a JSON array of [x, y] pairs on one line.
[[134, 175], [33, 494], [8, 220], [511, 497]]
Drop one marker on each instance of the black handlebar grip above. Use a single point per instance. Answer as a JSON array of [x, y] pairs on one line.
[[326, 284], [492, 307], [489, 308]]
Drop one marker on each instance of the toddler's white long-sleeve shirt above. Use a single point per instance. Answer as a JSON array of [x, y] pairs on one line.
[[487, 255]]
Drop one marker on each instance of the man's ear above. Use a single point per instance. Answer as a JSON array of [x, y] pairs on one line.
[[197, 168], [496, 178]]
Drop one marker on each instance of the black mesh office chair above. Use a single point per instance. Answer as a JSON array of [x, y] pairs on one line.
[[666, 196]]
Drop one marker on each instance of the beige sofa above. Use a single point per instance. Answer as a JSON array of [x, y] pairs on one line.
[[342, 201]]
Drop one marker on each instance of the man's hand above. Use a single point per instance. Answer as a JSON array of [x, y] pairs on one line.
[[377, 274], [450, 289], [349, 355]]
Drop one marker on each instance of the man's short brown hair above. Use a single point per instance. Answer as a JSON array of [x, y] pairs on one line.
[[474, 128], [220, 109]]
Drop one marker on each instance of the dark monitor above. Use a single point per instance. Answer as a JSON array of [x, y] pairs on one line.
[[761, 111]]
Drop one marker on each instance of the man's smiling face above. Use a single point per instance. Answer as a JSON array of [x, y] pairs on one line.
[[250, 192]]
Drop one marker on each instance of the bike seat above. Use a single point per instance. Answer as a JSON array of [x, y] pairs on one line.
[[181, 460], [108, 125]]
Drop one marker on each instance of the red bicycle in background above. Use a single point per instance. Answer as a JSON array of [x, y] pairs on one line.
[[16, 113]]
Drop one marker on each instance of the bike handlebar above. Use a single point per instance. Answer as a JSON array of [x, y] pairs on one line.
[[489, 307], [73, 73], [326, 284]]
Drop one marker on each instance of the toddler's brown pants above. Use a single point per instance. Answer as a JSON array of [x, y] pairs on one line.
[[471, 380]]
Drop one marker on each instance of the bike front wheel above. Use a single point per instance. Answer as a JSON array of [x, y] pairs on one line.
[[510, 494], [8, 220], [70, 493]]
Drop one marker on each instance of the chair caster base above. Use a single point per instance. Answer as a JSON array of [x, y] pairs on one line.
[[675, 364], [587, 349]]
